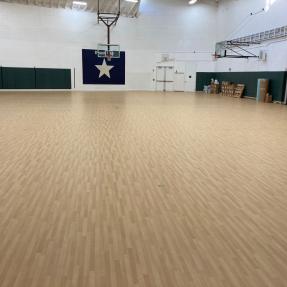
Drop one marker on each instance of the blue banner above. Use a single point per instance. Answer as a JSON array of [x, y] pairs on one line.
[[100, 71]]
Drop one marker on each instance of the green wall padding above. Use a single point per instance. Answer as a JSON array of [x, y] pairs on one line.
[[1, 84], [34, 78], [18, 78], [277, 81], [203, 79], [285, 84], [53, 78]]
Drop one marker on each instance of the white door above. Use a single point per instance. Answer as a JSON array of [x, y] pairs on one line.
[[159, 78], [179, 82], [169, 79], [164, 78], [190, 76]]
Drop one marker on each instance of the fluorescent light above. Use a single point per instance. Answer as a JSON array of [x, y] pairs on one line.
[[191, 2], [269, 3], [80, 3], [133, 1]]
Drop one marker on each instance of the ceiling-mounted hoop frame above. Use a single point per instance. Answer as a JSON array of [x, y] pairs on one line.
[[109, 19]]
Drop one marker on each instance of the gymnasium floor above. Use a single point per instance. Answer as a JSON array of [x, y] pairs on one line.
[[142, 189]]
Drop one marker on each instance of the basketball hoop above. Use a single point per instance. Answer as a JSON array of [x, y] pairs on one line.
[[109, 56], [214, 57], [108, 51]]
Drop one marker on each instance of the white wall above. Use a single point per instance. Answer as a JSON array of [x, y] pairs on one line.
[[234, 21], [43, 37]]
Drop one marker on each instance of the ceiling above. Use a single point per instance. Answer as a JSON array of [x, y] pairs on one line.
[[128, 9]]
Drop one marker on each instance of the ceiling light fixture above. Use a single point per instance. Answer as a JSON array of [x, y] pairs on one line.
[[80, 3], [191, 2]]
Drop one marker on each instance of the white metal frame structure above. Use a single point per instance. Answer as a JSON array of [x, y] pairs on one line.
[[236, 46]]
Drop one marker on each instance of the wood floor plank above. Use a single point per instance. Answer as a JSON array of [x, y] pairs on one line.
[[142, 189]]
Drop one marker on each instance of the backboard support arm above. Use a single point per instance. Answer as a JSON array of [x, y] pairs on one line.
[[109, 19]]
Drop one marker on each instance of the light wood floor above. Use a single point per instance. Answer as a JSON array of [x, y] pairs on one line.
[[142, 190]]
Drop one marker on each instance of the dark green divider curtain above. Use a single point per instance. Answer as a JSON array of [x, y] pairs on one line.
[[1, 75], [18, 78], [203, 79], [53, 78], [34, 78], [285, 85]]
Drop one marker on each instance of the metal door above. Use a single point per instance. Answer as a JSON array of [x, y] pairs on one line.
[[164, 78]]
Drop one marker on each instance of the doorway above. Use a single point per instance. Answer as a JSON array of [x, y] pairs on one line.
[[164, 78]]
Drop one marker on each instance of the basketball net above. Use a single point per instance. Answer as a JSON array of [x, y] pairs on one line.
[[214, 57], [109, 56]]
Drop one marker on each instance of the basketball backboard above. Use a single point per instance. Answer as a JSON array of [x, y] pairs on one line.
[[108, 51]]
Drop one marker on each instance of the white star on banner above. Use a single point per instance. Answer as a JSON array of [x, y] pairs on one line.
[[104, 69]]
